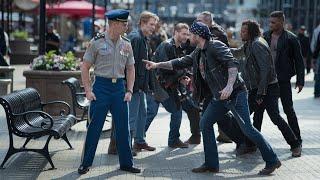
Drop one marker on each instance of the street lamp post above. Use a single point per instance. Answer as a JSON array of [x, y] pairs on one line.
[[2, 13], [8, 12], [147, 5], [93, 17], [42, 44], [105, 18]]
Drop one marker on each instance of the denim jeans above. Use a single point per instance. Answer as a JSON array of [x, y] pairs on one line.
[[239, 107], [270, 103], [138, 116], [317, 79], [176, 116], [228, 125]]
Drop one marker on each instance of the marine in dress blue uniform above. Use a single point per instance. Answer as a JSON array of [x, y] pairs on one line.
[[111, 56]]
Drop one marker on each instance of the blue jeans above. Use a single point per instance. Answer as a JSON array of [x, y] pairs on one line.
[[176, 116], [317, 79], [215, 112], [138, 116]]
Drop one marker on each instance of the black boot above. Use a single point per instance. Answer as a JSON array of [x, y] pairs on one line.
[[194, 118]]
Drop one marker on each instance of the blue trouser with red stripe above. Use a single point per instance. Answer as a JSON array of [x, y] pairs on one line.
[[109, 96]]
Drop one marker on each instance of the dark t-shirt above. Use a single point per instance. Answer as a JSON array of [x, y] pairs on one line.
[[52, 37]]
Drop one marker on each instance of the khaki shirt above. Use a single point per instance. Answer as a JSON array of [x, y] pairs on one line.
[[109, 59]]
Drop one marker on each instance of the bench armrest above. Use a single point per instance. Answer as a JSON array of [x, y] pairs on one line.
[[42, 114], [62, 112]]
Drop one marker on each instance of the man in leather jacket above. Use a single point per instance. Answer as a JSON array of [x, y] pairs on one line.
[[287, 56], [214, 65], [171, 81], [262, 82], [219, 34]]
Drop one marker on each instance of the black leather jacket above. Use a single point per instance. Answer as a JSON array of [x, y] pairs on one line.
[[143, 78], [217, 59], [289, 60], [167, 50], [219, 34], [259, 69]]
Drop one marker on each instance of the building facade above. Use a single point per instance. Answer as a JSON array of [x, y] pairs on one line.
[[180, 10], [297, 12]]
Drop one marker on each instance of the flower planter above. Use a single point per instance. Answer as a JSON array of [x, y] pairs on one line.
[[4, 84], [48, 84]]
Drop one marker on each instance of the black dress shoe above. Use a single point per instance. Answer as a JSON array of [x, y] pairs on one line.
[[130, 169], [203, 168], [83, 169], [269, 170], [296, 152]]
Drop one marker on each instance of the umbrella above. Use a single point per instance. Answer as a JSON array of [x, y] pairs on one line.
[[75, 9]]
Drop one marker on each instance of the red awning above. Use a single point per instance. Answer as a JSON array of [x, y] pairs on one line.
[[75, 9]]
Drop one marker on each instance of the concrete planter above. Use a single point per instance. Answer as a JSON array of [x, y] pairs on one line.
[[4, 84], [48, 84], [21, 53]]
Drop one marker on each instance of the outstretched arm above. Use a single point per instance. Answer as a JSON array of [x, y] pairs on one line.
[[160, 65]]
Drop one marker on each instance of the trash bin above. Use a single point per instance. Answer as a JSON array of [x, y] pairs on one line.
[[4, 86]]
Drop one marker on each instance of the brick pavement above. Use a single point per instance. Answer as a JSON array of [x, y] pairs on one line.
[[167, 163]]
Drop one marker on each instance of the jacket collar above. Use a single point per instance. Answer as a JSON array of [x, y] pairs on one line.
[[173, 42], [141, 34]]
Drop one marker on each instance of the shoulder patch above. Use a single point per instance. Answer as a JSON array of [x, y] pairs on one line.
[[125, 38], [99, 36]]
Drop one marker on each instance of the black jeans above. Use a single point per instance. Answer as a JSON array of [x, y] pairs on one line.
[[228, 125], [287, 103], [270, 103], [193, 113]]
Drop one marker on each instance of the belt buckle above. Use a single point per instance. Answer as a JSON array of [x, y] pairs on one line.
[[114, 80]]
